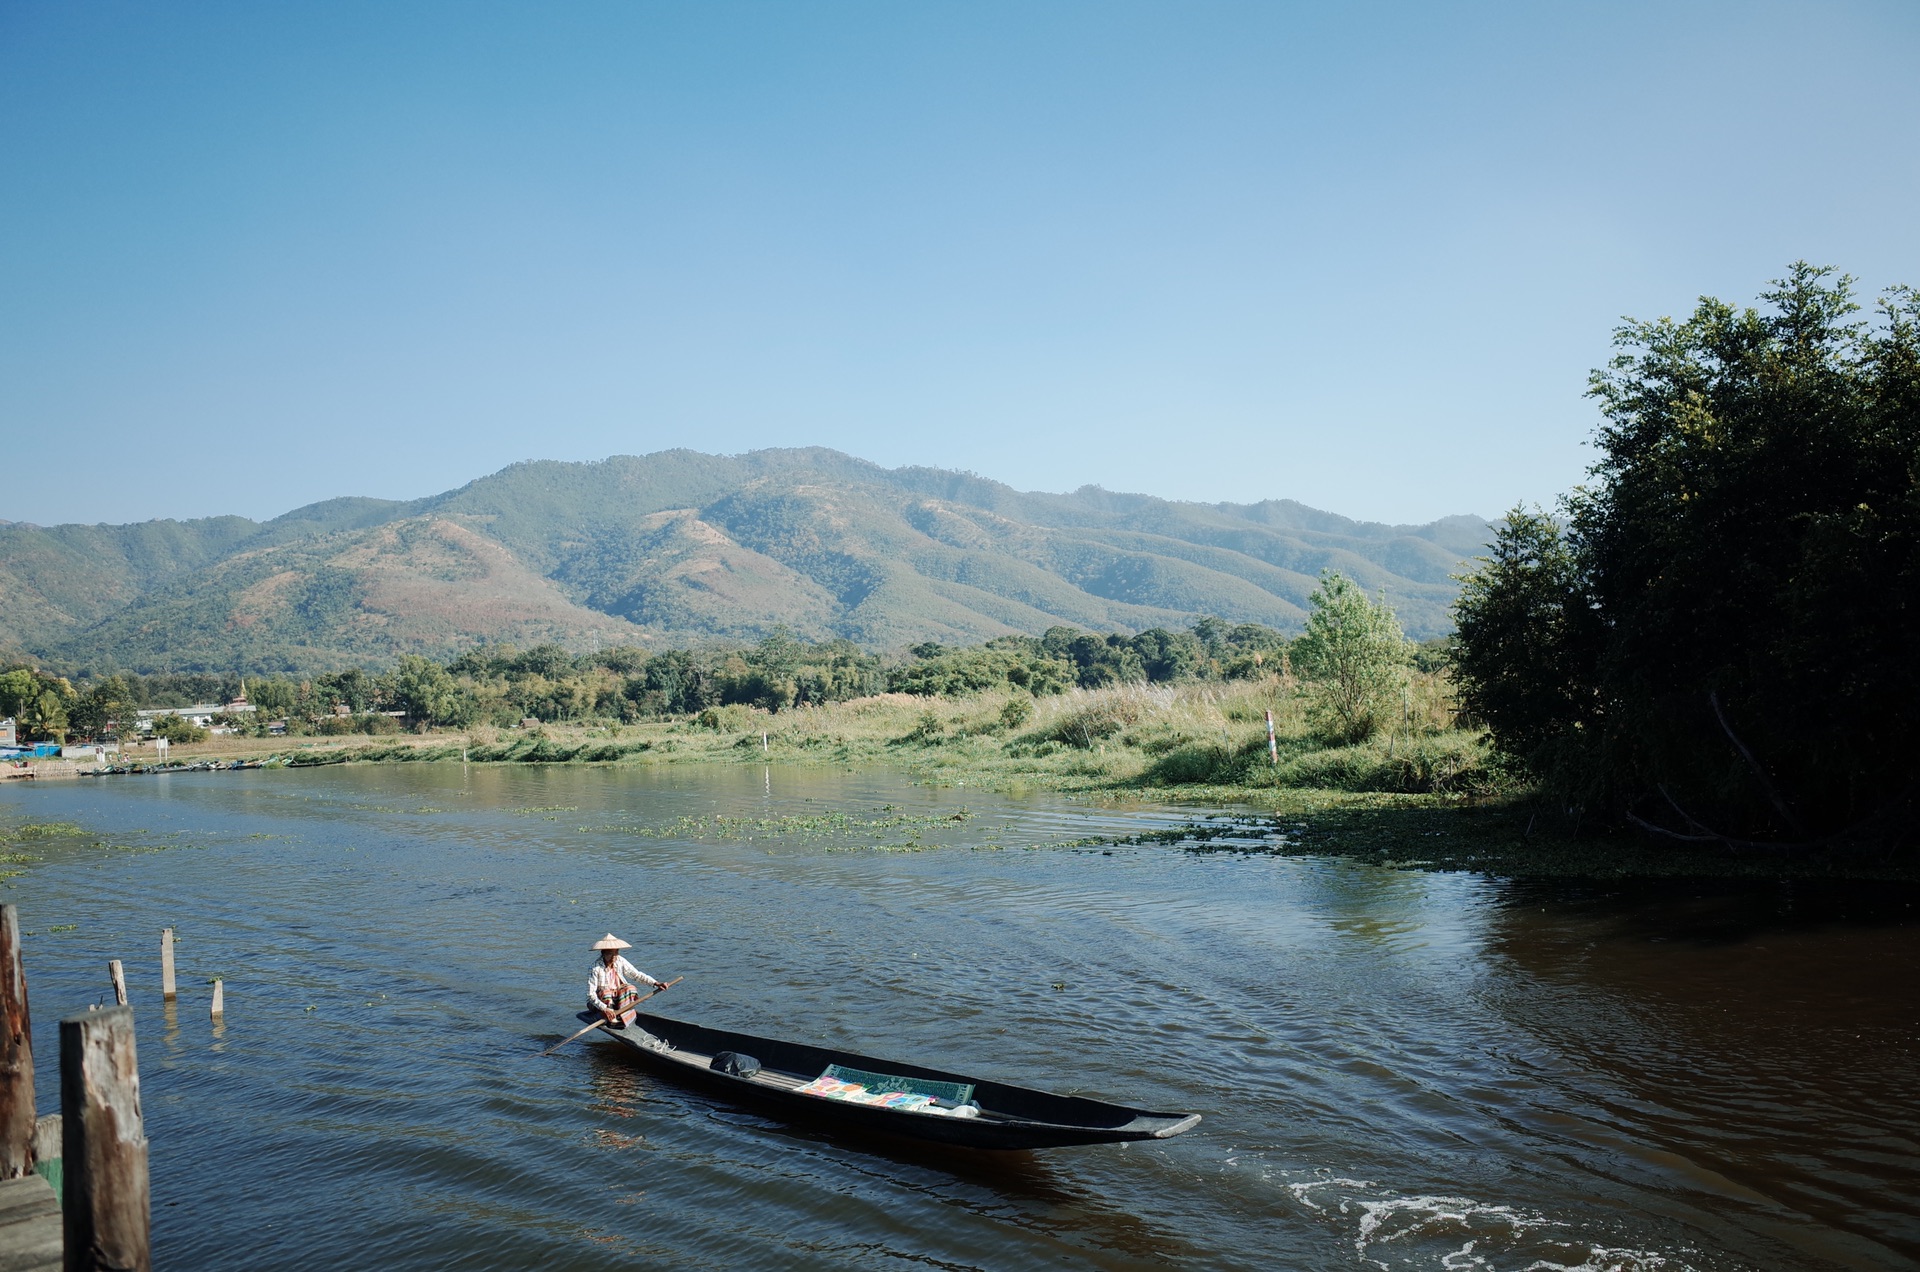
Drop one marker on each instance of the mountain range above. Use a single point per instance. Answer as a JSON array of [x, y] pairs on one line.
[[679, 547]]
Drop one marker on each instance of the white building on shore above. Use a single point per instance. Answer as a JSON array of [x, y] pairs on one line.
[[201, 714]]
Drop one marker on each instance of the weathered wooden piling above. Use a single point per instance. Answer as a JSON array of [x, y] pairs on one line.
[[16, 1054], [166, 963], [107, 1210], [119, 975], [219, 999]]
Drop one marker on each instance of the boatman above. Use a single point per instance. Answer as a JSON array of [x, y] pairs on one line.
[[608, 989]]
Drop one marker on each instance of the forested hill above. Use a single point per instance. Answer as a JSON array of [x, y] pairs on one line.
[[680, 546]]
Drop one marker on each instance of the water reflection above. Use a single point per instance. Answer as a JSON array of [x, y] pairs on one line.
[[618, 1088], [1748, 1044]]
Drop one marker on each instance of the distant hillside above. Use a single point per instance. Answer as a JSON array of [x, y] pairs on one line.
[[680, 546]]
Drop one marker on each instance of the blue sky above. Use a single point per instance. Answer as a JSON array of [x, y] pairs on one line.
[[1359, 255]]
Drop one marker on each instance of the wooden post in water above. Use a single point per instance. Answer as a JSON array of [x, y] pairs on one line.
[[166, 963], [119, 981], [219, 1000], [106, 1212], [16, 1054]]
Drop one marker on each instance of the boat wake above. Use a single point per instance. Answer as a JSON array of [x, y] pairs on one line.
[[1458, 1234]]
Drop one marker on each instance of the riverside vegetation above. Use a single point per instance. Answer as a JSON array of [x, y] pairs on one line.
[[1356, 707], [1376, 767], [1363, 719]]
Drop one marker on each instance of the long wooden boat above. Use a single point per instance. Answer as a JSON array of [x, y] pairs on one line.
[[1007, 1117]]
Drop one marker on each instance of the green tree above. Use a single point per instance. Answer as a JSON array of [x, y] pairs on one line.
[[549, 661], [1166, 655], [1354, 656], [1742, 580], [17, 687], [274, 699], [425, 691], [105, 709], [39, 703], [175, 728], [1523, 664], [352, 688]]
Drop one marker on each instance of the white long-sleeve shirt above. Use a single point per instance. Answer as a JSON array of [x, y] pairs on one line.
[[608, 977]]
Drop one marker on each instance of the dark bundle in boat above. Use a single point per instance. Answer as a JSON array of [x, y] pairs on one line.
[[885, 1095]]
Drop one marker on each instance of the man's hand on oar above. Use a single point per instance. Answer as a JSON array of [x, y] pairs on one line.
[[659, 989]]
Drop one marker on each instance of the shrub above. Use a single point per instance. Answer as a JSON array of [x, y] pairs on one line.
[[371, 722], [928, 728], [178, 729], [733, 718], [1103, 714], [1209, 763], [1426, 766]]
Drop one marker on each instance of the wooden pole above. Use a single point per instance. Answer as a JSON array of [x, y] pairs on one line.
[[119, 981], [106, 1208], [219, 999], [16, 1054], [166, 963]]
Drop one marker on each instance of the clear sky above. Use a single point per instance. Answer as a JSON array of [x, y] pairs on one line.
[[1361, 255]]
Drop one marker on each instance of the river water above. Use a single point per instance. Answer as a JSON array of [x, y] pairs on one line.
[[1397, 1069]]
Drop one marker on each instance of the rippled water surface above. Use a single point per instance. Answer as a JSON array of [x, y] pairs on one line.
[[1398, 1070]]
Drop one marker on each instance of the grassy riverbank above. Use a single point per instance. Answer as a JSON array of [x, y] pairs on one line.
[[1421, 796], [1204, 740]]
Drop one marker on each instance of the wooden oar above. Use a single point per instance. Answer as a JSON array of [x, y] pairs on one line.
[[599, 1024]]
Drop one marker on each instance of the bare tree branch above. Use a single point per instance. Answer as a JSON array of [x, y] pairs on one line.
[[1888, 810], [1760, 774]]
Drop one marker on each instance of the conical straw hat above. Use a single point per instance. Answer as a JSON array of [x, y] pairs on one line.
[[611, 942]]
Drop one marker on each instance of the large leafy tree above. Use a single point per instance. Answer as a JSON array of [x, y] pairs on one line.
[[17, 688], [39, 703], [428, 695], [108, 708], [1354, 657], [1721, 644]]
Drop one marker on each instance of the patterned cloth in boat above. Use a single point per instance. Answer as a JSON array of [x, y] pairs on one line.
[[857, 1086]]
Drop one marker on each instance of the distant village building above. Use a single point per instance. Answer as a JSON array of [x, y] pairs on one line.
[[9, 735], [202, 714]]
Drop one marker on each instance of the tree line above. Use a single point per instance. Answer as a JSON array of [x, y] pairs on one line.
[[1352, 652]]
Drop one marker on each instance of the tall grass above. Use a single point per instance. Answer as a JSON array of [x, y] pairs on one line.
[[1140, 736]]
